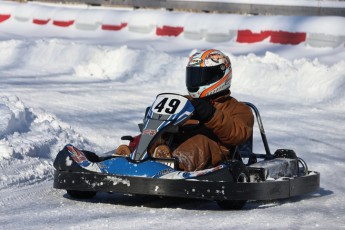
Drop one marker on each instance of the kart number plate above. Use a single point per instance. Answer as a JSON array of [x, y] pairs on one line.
[[168, 104]]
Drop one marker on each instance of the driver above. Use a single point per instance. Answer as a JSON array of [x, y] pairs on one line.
[[224, 122]]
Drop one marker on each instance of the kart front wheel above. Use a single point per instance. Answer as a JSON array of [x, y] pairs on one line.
[[232, 204], [81, 194], [240, 175]]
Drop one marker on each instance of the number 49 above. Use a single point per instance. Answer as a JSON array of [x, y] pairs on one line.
[[169, 108]]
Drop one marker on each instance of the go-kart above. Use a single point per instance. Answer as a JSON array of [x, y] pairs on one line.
[[251, 177]]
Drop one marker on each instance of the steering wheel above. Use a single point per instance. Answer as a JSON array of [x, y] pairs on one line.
[[191, 124]]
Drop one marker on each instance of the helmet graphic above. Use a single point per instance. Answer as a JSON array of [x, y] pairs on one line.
[[208, 72]]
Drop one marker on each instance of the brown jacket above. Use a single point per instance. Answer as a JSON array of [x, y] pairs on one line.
[[232, 122], [231, 125]]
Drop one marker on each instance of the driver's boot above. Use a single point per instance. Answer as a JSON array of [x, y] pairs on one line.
[[162, 151], [122, 150]]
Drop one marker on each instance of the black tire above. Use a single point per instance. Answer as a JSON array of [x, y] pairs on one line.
[[232, 204], [81, 194], [240, 175], [91, 156], [285, 153]]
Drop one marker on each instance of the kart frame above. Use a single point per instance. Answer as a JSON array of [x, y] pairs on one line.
[[218, 186]]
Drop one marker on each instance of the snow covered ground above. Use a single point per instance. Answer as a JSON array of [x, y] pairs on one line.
[[90, 88]]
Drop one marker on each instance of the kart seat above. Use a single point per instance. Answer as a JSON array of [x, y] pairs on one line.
[[245, 151]]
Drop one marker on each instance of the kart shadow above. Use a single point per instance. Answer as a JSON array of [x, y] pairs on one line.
[[149, 201], [187, 203], [272, 203]]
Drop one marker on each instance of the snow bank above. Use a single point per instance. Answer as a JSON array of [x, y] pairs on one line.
[[30, 139], [33, 133], [300, 80], [132, 66], [40, 56], [14, 116]]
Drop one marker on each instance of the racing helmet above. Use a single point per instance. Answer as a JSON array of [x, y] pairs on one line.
[[208, 72]]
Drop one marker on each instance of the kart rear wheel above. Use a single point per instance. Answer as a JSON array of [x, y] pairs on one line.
[[240, 175], [81, 194]]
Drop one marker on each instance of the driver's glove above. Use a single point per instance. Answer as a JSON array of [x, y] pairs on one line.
[[204, 110]]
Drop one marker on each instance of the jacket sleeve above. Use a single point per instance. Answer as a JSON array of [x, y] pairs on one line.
[[232, 123]]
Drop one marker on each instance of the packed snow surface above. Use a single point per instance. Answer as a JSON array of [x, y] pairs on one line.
[[91, 88]]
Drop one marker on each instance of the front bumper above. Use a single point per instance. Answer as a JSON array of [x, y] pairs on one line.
[[188, 188]]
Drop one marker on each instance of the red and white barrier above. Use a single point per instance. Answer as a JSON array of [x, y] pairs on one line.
[[143, 21], [169, 31], [89, 19], [6, 10], [23, 13], [42, 14], [114, 27], [4, 17], [65, 17], [171, 24], [213, 28], [324, 40], [216, 36], [247, 36], [288, 38], [114, 21]]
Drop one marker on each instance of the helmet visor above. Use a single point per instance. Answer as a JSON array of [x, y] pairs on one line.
[[200, 76]]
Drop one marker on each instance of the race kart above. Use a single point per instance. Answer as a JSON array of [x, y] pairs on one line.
[[251, 176]]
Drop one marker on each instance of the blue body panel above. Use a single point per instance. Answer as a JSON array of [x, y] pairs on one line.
[[122, 166], [168, 110]]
